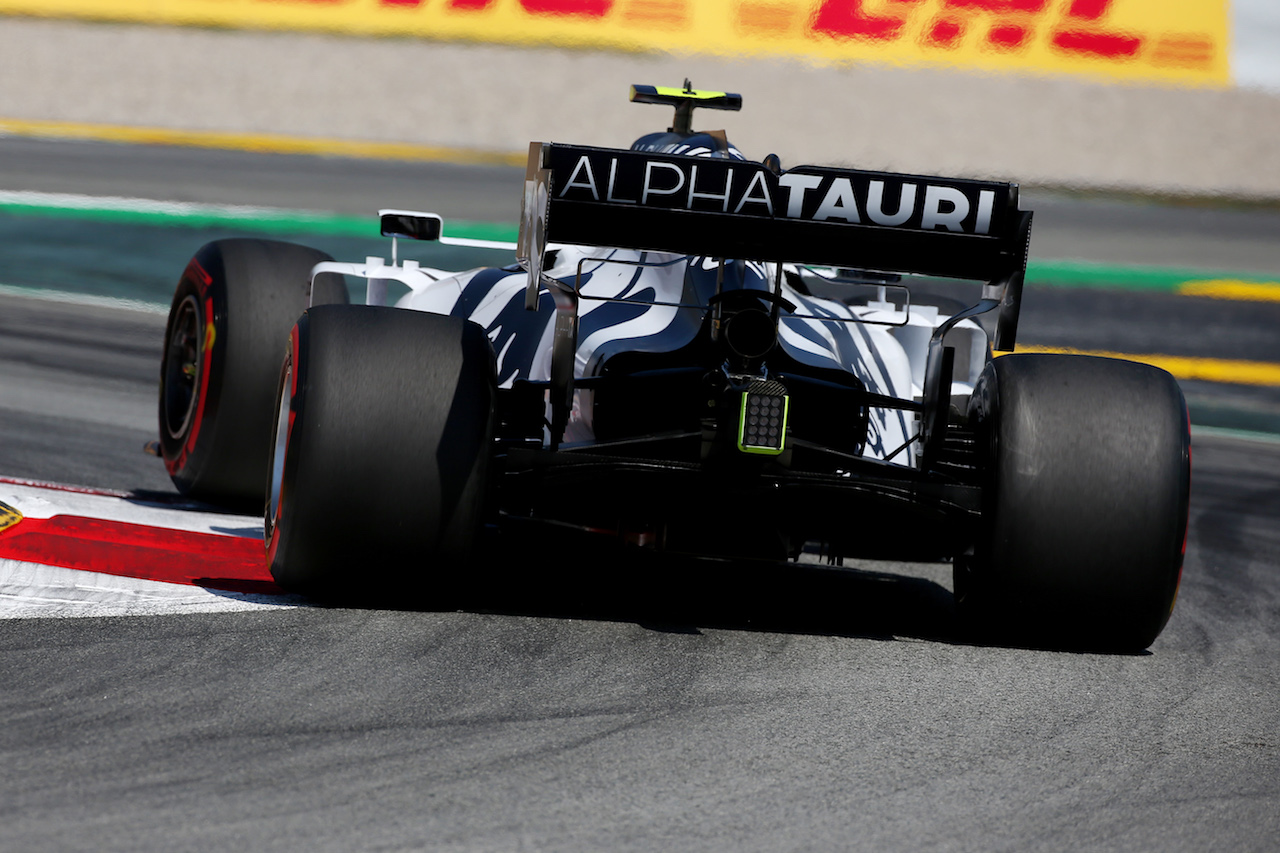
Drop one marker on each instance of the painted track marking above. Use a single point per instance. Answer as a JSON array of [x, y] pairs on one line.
[[84, 552]]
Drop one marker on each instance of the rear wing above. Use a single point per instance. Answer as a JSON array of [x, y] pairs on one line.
[[721, 208], [738, 209]]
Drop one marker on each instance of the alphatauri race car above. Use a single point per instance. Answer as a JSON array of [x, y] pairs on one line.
[[698, 354]]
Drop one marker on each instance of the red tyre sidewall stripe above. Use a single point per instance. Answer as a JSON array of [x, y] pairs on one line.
[[202, 281], [273, 543]]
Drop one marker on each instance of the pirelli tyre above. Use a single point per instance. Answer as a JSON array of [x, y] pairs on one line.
[[228, 324], [1086, 496], [379, 468]]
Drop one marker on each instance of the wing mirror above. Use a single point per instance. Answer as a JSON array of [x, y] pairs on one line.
[[410, 224]]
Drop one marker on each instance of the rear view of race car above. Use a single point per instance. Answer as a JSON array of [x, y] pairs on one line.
[[698, 354]]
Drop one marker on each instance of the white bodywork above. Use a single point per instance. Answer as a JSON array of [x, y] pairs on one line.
[[884, 345]]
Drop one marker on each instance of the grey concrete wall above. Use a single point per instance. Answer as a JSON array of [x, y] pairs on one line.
[[1038, 130]]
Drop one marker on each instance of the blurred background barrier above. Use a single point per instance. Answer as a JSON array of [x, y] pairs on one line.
[[1176, 97], [1183, 41]]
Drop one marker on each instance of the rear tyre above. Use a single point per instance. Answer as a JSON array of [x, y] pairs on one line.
[[1086, 498], [379, 466], [228, 324]]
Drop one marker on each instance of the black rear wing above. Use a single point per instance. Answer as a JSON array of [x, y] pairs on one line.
[[724, 208]]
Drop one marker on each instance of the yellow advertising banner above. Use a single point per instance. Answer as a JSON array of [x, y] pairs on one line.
[[1173, 41]]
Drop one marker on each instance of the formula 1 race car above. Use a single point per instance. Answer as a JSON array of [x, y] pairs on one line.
[[695, 354]]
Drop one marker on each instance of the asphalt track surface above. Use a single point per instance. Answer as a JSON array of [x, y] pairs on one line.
[[578, 704]]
